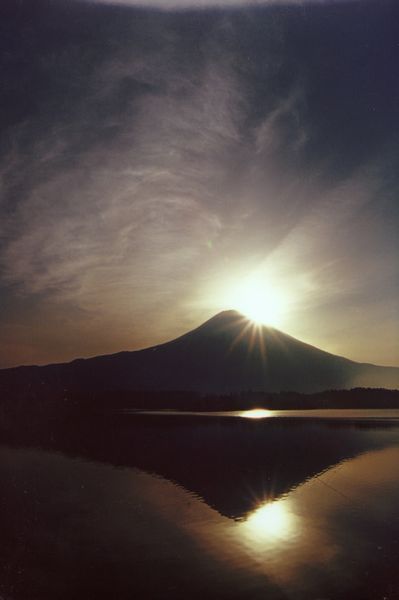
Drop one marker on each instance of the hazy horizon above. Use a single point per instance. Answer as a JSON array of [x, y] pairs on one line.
[[160, 166]]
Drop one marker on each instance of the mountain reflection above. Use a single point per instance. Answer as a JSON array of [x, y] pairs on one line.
[[237, 466], [334, 536], [262, 509]]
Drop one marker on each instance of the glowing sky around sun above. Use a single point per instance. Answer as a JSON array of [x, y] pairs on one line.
[[157, 167], [260, 301]]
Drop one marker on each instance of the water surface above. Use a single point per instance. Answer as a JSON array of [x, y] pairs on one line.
[[154, 506]]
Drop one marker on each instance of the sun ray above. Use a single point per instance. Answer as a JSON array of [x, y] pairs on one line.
[[246, 325]]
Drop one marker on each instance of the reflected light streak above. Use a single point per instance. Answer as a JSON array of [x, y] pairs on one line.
[[256, 413]]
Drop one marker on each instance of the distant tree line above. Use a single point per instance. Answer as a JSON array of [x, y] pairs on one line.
[[193, 401], [26, 413]]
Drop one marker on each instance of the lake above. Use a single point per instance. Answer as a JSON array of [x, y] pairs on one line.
[[300, 505]]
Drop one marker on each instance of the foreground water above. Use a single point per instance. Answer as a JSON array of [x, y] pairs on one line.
[[155, 506]]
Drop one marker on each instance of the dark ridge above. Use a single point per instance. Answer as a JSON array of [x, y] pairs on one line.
[[226, 354]]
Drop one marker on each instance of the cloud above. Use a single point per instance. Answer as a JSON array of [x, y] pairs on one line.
[[105, 220], [132, 218], [173, 152], [123, 206]]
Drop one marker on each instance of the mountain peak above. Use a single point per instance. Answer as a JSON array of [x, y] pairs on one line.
[[228, 313], [227, 353], [233, 320]]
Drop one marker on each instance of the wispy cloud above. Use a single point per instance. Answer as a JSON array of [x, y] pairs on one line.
[[131, 217], [175, 157]]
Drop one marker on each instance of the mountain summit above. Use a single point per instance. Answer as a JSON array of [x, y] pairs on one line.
[[227, 353]]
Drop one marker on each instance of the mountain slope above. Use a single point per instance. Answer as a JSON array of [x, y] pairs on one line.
[[225, 354]]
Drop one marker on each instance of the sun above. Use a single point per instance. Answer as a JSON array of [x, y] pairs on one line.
[[260, 301]]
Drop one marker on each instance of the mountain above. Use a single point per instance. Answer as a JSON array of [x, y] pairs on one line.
[[226, 354]]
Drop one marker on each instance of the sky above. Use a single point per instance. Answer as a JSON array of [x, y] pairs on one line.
[[161, 159]]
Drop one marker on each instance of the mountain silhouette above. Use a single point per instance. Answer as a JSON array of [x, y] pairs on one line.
[[228, 353]]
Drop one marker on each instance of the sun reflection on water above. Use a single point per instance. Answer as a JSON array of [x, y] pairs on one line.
[[269, 525], [256, 413], [272, 518]]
